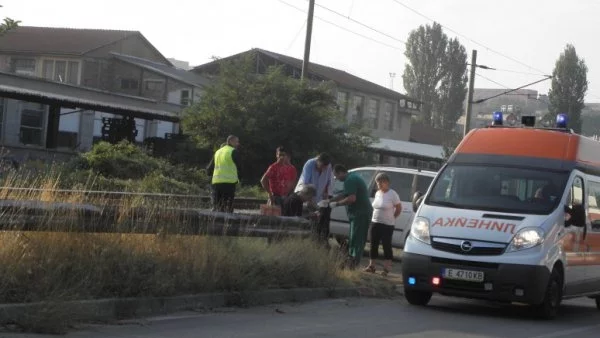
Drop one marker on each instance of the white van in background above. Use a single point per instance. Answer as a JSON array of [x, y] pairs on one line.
[[404, 181]]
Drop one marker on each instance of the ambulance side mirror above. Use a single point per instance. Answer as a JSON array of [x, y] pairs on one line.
[[417, 200]]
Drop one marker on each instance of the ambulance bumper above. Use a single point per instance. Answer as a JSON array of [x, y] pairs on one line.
[[501, 282]]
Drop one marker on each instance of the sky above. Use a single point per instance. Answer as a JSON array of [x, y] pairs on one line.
[[522, 39]]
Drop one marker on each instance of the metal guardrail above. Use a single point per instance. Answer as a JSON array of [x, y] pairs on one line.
[[112, 197], [88, 218]]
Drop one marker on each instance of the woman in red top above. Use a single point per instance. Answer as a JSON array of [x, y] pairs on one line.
[[280, 177]]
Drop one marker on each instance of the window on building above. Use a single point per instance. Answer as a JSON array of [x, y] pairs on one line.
[[23, 66], [342, 102], [154, 85], [140, 125], [68, 128], [61, 71], [373, 118], [185, 97], [388, 116], [163, 128], [399, 122], [403, 103], [32, 123], [356, 110], [129, 84]]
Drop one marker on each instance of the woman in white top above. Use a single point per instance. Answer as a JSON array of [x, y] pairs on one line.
[[386, 208]]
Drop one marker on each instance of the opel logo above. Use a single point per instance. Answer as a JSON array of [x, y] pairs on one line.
[[466, 246]]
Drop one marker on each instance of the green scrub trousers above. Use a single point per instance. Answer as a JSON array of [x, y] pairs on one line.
[[359, 229]]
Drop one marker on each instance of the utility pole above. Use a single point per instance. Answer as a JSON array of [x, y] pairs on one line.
[[392, 76], [309, 24], [470, 92]]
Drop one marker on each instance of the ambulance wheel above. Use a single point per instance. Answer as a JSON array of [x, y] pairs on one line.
[[548, 309], [414, 297]]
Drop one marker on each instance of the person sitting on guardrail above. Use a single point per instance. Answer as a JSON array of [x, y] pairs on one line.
[[293, 205], [279, 178]]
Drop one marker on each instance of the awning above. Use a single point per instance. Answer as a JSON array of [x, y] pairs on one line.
[[43, 91]]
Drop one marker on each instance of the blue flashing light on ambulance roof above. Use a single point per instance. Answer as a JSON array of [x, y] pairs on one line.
[[561, 121], [497, 118]]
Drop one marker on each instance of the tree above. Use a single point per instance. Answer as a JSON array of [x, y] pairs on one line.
[[569, 86], [7, 25], [269, 110], [436, 75]]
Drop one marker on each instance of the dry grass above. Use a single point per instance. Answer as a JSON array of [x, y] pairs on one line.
[[46, 266]]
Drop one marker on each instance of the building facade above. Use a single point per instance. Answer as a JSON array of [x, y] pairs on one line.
[[113, 65], [385, 112]]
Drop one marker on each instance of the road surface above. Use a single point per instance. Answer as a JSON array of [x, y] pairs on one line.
[[347, 318]]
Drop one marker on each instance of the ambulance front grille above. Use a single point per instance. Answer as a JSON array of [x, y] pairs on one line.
[[475, 250]]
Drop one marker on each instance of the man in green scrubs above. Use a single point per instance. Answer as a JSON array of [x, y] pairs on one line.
[[358, 206]]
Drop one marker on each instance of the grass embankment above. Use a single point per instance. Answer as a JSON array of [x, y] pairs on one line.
[[61, 266]]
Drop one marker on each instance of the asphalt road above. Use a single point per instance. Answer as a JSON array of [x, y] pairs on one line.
[[346, 318]]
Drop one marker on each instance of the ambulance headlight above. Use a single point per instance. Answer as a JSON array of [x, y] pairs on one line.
[[420, 230], [526, 238]]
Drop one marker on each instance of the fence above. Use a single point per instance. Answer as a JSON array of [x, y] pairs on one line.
[[138, 213]]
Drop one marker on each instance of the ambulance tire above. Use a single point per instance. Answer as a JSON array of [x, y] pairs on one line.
[[548, 309], [419, 298]]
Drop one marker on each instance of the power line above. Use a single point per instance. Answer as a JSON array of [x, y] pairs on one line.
[[487, 78], [297, 35], [475, 42], [343, 28], [360, 23], [512, 90]]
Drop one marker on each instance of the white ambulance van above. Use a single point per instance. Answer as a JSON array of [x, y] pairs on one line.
[[403, 180], [511, 217]]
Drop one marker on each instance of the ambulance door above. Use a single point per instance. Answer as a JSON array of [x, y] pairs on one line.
[[592, 236], [573, 246]]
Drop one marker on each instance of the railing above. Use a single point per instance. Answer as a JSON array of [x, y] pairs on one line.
[[61, 210], [116, 197]]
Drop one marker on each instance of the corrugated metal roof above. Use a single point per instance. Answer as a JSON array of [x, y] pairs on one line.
[[44, 91], [420, 149], [166, 70], [49, 40], [340, 77]]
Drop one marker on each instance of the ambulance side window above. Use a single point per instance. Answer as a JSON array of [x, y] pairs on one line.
[[576, 192], [594, 205]]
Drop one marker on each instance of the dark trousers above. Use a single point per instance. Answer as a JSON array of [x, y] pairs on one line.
[[381, 233], [223, 196], [322, 230]]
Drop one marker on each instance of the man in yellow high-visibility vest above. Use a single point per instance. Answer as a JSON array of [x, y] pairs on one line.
[[225, 171]]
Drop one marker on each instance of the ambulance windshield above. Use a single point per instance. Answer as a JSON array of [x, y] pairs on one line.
[[500, 189]]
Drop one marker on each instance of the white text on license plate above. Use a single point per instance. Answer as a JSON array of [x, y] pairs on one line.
[[466, 275]]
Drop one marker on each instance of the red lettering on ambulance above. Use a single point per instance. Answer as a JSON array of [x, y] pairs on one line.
[[485, 224], [497, 226], [473, 223], [461, 222], [512, 228], [450, 222], [438, 222]]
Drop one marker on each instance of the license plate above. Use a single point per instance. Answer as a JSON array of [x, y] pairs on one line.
[[466, 275]]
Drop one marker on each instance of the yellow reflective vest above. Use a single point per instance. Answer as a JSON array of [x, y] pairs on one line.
[[225, 169]]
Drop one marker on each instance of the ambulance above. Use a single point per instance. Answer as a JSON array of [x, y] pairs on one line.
[[511, 217]]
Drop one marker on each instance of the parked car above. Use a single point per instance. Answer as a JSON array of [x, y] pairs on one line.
[[403, 180]]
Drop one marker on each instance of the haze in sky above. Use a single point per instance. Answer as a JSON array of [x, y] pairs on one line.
[[521, 38]]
